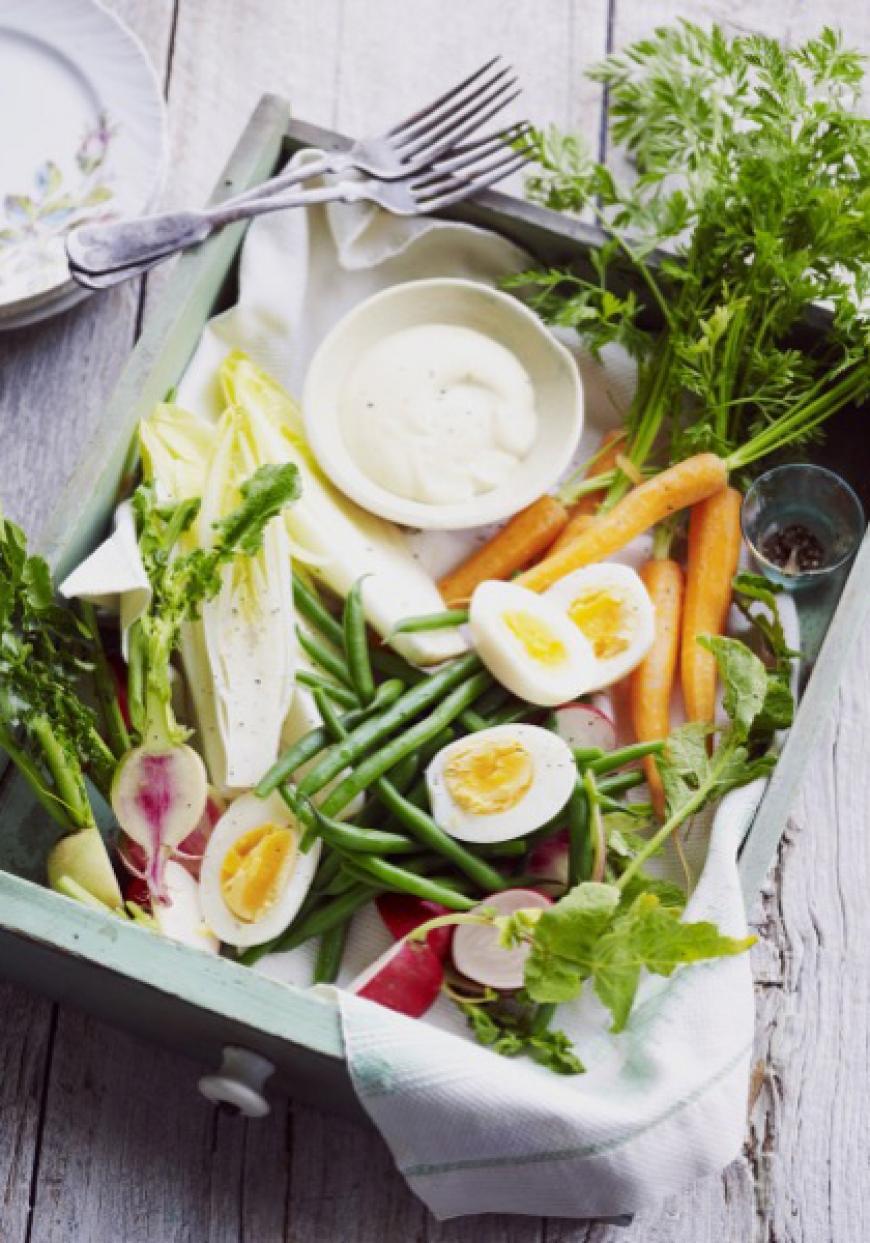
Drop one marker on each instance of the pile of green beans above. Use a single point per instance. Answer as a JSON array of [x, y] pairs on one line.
[[376, 739]]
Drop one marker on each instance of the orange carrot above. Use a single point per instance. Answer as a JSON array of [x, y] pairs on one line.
[[714, 548], [666, 493], [584, 509], [528, 534], [653, 679]]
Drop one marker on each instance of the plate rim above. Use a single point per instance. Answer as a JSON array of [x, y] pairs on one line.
[[36, 20]]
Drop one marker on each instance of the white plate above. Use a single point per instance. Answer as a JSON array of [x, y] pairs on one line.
[[82, 137], [555, 380]]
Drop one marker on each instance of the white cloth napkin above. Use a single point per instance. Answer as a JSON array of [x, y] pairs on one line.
[[661, 1104]]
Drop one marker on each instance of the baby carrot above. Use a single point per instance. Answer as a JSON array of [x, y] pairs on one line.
[[651, 502], [653, 679], [528, 534], [714, 548], [582, 512]]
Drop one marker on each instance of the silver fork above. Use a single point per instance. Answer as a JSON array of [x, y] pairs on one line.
[[407, 147], [466, 171]]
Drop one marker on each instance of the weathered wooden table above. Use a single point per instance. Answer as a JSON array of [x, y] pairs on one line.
[[104, 1138]]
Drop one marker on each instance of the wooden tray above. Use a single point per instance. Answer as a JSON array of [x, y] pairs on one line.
[[187, 1000]]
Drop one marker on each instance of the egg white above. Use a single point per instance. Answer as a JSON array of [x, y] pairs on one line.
[[554, 776], [246, 813], [625, 585], [506, 657]]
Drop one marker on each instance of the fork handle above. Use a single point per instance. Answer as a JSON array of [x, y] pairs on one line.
[[103, 255]]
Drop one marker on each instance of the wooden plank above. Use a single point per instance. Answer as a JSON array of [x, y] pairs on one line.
[[24, 1052]]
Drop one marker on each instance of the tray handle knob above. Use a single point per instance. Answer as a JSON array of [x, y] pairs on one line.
[[239, 1082]]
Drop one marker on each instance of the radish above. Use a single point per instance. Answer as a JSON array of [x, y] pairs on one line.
[[179, 915], [549, 859], [159, 796], [82, 858], [477, 953], [136, 890], [402, 913], [189, 852], [407, 978], [582, 725]]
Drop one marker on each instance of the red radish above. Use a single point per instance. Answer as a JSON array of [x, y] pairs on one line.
[[582, 725], [178, 914], [549, 859], [402, 913], [136, 890], [189, 852], [407, 978], [158, 796], [477, 953]]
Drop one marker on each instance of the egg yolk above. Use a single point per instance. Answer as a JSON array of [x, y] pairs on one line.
[[538, 640], [601, 617], [256, 869], [487, 779]]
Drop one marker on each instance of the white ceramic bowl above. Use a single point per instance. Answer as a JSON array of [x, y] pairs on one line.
[[555, 380]]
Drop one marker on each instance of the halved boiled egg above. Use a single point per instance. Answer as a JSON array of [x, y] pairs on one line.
[[528, 644], [609, 605], [500, 783], [254, 877]]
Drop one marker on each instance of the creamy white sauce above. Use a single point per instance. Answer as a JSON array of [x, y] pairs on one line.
[[438, 413]]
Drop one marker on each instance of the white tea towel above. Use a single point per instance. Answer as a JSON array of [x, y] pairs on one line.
[[664, 1102]]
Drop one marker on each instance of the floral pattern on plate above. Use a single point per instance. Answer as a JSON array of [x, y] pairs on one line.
[[33, 225]]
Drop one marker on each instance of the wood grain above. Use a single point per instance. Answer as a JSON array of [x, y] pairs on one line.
[[111, 1140]]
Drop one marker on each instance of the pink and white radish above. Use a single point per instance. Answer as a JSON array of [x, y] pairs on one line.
[[402, 913], [406, 978], [584, 725], [189, 852], [158, 796], [477, 953], [549, 860], [179, 915]]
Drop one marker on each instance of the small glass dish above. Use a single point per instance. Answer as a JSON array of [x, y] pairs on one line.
[[802, 523]]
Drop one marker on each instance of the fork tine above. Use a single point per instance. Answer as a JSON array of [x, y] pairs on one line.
[[466, 167], [455, 128], [425, 111], [487, 144], [453, 146], [464, 187], [440, 124]]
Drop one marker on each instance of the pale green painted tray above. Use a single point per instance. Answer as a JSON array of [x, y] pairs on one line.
[[189, 1000]]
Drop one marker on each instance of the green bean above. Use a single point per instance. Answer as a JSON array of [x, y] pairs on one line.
[[610, 805], [309, 605], [382, 761], [511, 713], [625, 755], [340, 694], [341, 882], [579, 841], [542, 1019], [327, 869], [330, 952], [324, 656], [587, 755], [445, 620], [403, 775], [105, 687], [472, 721], [401, 880], [312, 743], [597, 836], [620, 782], [372, 732], [356, 644], [316, 922], [425, 830], [392, 665], [513, 849], [492, 699], [348, 837]]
